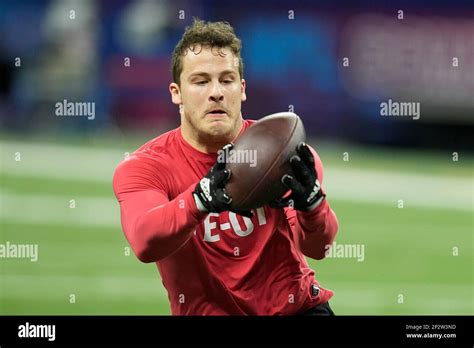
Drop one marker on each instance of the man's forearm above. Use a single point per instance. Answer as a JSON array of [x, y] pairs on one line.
[[162, 230], [316, 230]]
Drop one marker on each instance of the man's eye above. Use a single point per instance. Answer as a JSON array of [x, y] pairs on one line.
[[201, 83], [227, 81]]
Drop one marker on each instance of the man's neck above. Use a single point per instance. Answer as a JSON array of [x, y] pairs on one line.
[[207, 145]]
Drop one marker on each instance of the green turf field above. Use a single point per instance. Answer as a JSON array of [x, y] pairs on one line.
[[417, 260]]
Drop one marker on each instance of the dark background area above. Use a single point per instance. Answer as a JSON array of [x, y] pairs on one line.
[[290, 64]]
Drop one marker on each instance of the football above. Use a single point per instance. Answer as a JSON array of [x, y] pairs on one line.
[[260, 158]]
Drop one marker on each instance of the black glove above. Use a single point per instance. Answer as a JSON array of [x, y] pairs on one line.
[[210, 194], [306, 191]]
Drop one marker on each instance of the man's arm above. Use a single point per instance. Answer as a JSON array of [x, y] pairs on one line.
[[315, 229], [154, 226]]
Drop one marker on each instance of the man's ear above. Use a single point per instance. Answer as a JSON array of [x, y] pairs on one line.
[[243, 96], [175, 93]]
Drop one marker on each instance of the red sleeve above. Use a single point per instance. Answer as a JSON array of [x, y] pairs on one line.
[[154, 226], [316, 229]]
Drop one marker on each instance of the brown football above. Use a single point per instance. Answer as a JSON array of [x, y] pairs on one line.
[[260, 158]]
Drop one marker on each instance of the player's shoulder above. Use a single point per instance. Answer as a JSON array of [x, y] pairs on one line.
[[158, 150], [158, 147], [152, 158]]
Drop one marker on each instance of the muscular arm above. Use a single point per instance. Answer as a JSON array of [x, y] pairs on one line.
[[316, 229], [154, 226]]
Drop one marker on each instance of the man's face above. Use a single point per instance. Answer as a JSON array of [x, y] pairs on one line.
[[210, 94]]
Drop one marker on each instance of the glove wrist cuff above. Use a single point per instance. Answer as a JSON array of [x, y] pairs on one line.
[[201, 207], [317, 203]]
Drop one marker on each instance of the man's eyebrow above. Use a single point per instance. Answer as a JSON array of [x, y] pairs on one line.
[[228, 72], [199, 73], [205, 74]]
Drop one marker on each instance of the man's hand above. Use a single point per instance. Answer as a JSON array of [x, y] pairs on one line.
[[306, 193], [210, 195]]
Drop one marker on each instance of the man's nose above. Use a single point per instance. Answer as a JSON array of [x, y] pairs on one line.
[[216, 93]]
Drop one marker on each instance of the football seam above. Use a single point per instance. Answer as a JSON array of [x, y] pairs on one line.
[[274, 162]]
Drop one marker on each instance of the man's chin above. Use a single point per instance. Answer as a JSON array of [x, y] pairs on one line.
[[219, 126], [219, 130]]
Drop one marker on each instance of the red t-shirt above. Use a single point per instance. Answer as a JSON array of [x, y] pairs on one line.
[[217, 264]]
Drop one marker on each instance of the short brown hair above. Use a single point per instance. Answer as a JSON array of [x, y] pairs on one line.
[[212, 34]]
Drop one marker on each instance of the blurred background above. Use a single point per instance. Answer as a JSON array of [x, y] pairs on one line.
[[400, 186]]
